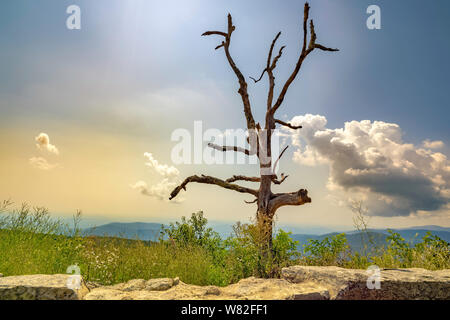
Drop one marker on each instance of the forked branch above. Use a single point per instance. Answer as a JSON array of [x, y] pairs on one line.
[[283, 177], [303, 54], [211, 180], [288, 199], [242, 83], [287, 124]]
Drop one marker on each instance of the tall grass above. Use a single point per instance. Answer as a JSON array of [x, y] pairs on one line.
[[32, 242]]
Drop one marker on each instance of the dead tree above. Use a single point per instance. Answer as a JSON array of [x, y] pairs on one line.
[[260, 138]]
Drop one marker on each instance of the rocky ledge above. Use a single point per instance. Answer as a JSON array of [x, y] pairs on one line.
[[297, 283]]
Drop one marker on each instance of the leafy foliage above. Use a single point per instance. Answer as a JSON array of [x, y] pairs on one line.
[[32, 242], [329, 251]]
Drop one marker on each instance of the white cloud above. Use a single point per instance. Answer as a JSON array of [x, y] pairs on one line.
[[162, 169], [433, 144], [43, 143], [162, 189], [41, 163], [371, 159]]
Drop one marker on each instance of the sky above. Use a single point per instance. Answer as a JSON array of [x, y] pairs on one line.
[[86, 116]]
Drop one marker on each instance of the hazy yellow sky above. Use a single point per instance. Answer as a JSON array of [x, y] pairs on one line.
[[95, 170], [136, 71]]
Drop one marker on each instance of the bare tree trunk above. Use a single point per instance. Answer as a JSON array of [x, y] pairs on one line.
[[265, 227], [260, 139], [264, 215]]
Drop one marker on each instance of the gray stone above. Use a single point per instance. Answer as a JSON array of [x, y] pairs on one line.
[[162, 284], [395, 284], [246, 289], [274, 289], [212, 290], [41, 287], [297, 283], [132, 285]]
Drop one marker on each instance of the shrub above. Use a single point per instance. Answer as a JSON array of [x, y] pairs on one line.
[[31, 242], [330, 251]]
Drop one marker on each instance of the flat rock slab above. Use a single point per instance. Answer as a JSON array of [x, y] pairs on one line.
[[395, 284], [297, 283], [41, 287], [246, 289]]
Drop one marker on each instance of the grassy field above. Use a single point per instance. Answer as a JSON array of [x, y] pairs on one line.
[[33, 242]]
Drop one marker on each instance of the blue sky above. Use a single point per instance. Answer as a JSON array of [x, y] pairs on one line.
[[137, 70]]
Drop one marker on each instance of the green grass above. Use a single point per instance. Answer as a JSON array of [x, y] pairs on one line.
[[31, 242]]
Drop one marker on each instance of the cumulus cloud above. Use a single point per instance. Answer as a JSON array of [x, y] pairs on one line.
[[41, 163], [43, 143], [433, 144], [162, 169], [371, 159], [162, 189]]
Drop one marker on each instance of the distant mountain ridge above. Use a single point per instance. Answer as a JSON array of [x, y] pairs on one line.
[[429, 227], [151, 231], [132, 230], [356, 239]]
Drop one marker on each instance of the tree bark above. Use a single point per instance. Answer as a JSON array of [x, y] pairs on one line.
[[260, 139]]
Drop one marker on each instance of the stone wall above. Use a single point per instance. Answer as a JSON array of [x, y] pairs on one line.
[[297, 283]]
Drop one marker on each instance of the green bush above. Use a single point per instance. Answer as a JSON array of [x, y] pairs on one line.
[[32, 242], [432, 253], [331, 251], [236, 257]]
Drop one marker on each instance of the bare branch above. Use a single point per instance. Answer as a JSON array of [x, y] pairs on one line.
[[287, 124], [305, 25], [279, 157], [283, 177], [269, 57], [260, 77], [243, 178], [220, 45], [209, 33], [312, 41], [270, 67], [304, 53], [275, 60], [230, 148], [257, 179], [288, 199], [242, 83], [211, 180], [250, 202], [321, 47]]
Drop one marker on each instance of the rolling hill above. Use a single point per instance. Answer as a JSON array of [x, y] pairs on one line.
[[151, 231], [356, 239], [141, 230]]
